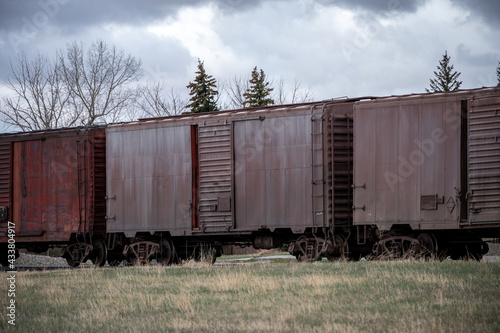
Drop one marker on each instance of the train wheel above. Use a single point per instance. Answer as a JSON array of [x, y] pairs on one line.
[[167, 252], [72, 263], [342, 249], [305, 250], [99, 253], [428, 245]]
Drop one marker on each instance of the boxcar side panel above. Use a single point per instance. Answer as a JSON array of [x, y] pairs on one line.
[[149, 172], [409, 129], [273, 173], [365, 142], [407, 152], [386, 156]]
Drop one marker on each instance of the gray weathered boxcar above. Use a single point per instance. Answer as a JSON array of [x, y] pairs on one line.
[[261, 176], [427, 172], [52, 192]]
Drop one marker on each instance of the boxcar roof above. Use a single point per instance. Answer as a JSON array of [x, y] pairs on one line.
[[450, 94], [60, 132], [275, 110]]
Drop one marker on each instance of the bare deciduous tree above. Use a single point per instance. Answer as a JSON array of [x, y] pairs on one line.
[[40, 97], [234, 91], [295, 95], [79, 88], [99, 80], [154, 102]]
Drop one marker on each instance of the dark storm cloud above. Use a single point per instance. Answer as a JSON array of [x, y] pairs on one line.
[[488, 10], [75, 14], [71, 15], [377, 5], [28, 22]]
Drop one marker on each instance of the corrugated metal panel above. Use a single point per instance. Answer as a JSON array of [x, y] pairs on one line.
[[407, 150], [5, 185], [149, 176], [215, 177], [484, 161], [45, 183], [318, 171], [365, 138], [273, 174], [45, 189], [5, 173]]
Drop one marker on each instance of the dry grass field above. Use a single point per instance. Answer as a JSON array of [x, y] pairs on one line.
[[400, 296]]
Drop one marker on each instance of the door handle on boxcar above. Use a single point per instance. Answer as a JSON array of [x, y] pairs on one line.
[[362, 207], [363, 186], [110, 198], [110, 218]]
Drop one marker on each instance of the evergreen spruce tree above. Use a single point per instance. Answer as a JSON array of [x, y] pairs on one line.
[[203, 91], [446, 79], [257, 94], [498, 74]]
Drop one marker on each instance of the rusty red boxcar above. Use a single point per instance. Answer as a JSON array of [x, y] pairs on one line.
[[52, 189]]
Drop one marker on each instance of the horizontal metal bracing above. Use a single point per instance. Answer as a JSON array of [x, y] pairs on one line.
[[215, 219], [215, 175], [217, 145], [216, 169], [484, 161], [220, 173], [487, 159], [209, 218], [224, 163], [214, 191], [5, 173], [211, 180], [214, 133], [491, 186], [209, 141], [341, 149]]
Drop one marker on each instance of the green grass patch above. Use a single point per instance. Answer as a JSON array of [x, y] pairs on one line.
[[403, 296]]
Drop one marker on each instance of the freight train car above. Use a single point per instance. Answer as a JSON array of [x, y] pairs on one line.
[[427, 173], [52, 192], [393, 176], [265, 177]]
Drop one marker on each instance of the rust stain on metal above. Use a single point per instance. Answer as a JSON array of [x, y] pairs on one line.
[[52, 188]]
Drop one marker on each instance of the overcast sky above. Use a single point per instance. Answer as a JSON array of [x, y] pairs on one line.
[[335, 47]]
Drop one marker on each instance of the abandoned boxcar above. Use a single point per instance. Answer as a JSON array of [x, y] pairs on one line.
[[52, 188], [427, 172], [265, 177], [392, 176]]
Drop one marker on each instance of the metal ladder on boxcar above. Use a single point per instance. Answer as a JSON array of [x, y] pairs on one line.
[[317, 178], [81, 153]]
